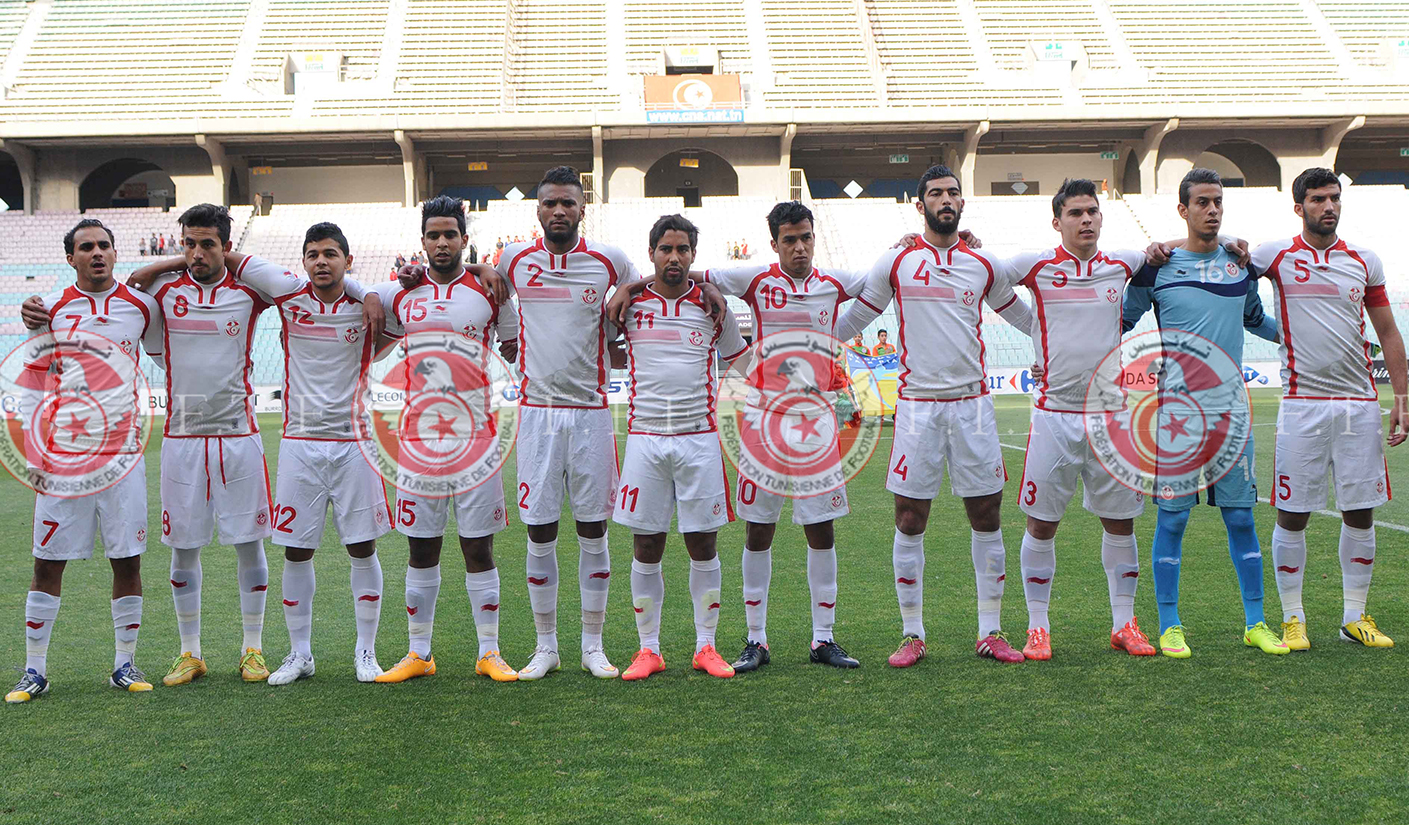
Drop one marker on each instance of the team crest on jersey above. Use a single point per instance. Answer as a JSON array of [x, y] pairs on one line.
[[126, 345], [1113, 295], [1167, 414], [836, 500], [792, 422], [969, 297], [262, 518], [696, 338], [141, 534], [1231, 268], [589, 296], [469, 331], [1355, 295], [823, 318], [351, 334], [717, 508], [81, 428], [232, 327], [441, 423]]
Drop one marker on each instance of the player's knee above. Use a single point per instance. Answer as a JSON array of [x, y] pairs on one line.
[[298, 554], [48, 574], [985, 513], [1173, 521], [1041, 530], [1237, 518], [1357, 519], [1296, 522], [910, 522]]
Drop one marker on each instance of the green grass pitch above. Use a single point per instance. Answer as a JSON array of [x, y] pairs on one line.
[[1230, 735]]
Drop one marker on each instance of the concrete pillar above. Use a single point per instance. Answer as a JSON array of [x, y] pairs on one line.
[[1330, 137], [410, 165], [785, 161], [599, 167], [1148, 153], [29, 165], [968, 156], [219, 166]]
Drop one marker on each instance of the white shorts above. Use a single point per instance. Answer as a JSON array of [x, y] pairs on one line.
[[1320, 439], [479, 512], [761, 506], [64, 528], [565, 449], [209, 482], [680, 475], [1057, 455], [932, 434], [313, 474]]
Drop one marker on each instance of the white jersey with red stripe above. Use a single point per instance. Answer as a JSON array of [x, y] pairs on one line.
[[124, 316], [326, 351], [938, 293], [1321, 300], [671, 345], [563, 332], [209, 330], [780, 302], [1078, 306]]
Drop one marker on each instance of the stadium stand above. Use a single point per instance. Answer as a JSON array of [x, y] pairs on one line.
[[718, 23], [352, 28], [1368, 29], [1011, 25], [558, 55], [12, 17], [819, 54]]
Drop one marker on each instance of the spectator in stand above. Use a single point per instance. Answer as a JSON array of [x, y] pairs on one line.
[[859, 346], [882, 347], [172, 244], [400, 260], [161, 244], [152, 244], [142, 247], [474, 253], [744, 250]]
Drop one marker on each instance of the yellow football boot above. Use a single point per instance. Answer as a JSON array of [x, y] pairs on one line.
[[1365, 632], [493, 665], [252, 666], [184, 670], [1294, 634], [409, 668]]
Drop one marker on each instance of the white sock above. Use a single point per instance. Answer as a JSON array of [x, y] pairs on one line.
[[1289, 561], [989, 558], [1121, 558], [40, 611], [822, 582], [253, 571], [705, 582], [647, 594], [908, 556], [1357, 550], [299, 587], [422, 588], [367, 600], [186, 596], [1038, 559], [127, 618], [757, 569], [543, 590], [594, 573], [484, 603]]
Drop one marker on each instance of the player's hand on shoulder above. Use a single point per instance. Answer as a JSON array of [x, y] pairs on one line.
[[411, 275], [373, 314], [1238, 248], [33, 313], [714, 299], [1159, 253], [491, 280], [909, 240], [970, 239]]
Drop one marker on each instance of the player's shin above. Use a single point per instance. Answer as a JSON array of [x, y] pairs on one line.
[[822, 582], [127, 618], [1168, 552], [40, 611], [186, 596], [757, 569], [594, 572], [647, 594], [1357, 555], [299, 586], [908, 558], [483, 589], [542, 569], [422, 589], [989, 557], [1039, 565], [252, 568], [367, 599], [1246, 553], [705, 583], [1120, 558], [1289, 559]]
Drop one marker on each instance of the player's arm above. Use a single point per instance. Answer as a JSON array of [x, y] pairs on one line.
[[731, 343], [154, 336], [1392, 348], [1005, 301], [1255, 318], [506, 329], [1159, 252], [875, 296], [1139, 297]]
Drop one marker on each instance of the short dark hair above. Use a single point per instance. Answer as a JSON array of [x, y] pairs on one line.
[[562, 176], [85, 224], [326, 231], [936, 172], [208, 216], [1072, 188], [1313, 178], [788, 212], [665, 223], [882, 332], [443, 206], [1196, 176]]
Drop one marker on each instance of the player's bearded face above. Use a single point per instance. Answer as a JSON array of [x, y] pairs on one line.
[[673, 256], [204, 251], [943, 207], [443, 245], [559, 212], [1320, 211]]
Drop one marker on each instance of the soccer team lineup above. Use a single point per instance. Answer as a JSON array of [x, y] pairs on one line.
[[427, 384]]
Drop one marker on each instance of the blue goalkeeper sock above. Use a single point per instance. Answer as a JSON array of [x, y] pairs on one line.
[[1247, 560], [1167, 553]]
